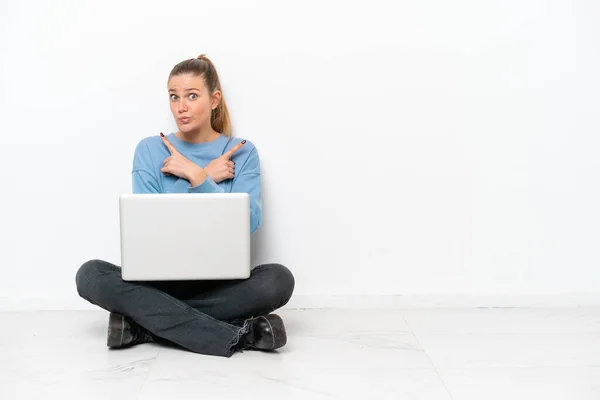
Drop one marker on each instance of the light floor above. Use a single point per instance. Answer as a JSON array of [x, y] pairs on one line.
[[479, 354]]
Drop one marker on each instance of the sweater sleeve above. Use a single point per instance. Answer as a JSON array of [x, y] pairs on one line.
[[247, 180], [143, 180], [208, 186]]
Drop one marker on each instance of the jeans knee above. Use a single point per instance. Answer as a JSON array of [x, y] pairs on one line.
[[284, 281], [87, 274]]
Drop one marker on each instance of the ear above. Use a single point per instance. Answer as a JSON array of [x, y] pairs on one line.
[[216, 99]]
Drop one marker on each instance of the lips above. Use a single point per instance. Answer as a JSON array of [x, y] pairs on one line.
[[185, 120]]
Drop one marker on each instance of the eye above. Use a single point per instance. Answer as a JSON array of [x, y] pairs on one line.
[[173, 97], [193, 96]]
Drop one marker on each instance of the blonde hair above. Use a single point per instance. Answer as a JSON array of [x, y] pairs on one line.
[[202, 66]]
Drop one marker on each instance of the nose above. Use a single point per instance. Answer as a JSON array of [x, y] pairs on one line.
[[182, 106]]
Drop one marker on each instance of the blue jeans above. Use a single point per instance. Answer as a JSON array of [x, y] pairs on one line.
[[206, 317]]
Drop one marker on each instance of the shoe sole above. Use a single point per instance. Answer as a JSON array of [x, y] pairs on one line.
[[116, 325]]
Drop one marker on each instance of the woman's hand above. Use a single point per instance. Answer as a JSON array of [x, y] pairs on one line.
[[177, 164], [223, 168]]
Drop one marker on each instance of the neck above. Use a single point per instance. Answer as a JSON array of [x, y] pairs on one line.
[[198, 136]]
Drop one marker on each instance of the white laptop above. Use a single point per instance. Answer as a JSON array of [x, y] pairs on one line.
[[185, 236]]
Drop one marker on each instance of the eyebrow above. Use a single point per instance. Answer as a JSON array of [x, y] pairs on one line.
[[187, 90]]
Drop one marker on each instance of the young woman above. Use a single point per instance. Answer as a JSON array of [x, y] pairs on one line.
[[207, 317]]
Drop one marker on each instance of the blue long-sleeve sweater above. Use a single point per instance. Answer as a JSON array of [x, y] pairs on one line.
[[151, 152]]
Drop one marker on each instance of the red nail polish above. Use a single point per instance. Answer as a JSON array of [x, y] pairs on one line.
[[161, 134], [243, 141]]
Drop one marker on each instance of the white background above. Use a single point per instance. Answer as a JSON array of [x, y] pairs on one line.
[[439, 148]]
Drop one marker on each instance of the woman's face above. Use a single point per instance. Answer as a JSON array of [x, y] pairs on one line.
[[190, 102]]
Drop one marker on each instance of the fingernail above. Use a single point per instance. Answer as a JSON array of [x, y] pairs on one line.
[[243, 141], [161, 134]]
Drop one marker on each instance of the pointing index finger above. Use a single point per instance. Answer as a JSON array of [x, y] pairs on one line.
[[171, 148], [235, 148]]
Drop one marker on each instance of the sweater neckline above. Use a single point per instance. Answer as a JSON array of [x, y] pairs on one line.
[[194, 146]]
